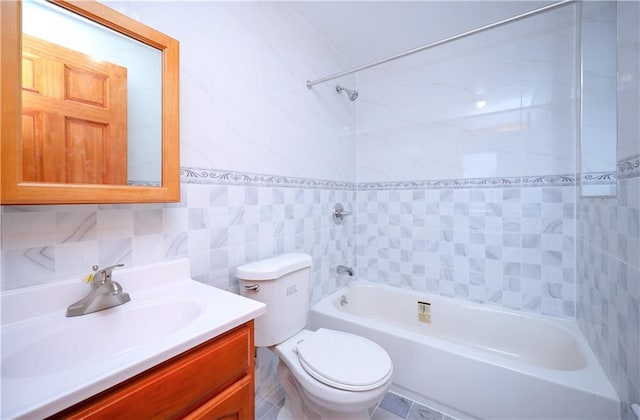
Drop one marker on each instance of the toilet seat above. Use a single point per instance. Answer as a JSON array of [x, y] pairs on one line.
[[344, 361]]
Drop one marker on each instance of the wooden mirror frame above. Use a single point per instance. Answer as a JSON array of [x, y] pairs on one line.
[[16, 191]]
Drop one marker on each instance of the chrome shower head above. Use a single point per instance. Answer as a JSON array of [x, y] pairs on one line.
[[351, 94]]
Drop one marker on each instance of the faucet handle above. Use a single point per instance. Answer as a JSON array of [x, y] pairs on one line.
[[105, 273]]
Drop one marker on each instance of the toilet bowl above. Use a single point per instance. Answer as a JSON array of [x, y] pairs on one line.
[[325, 374], [337, 374]]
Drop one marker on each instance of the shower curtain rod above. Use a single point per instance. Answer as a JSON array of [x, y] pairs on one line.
[[311, 83]]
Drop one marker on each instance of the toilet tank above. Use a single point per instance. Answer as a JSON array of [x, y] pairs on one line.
[[282, 283]]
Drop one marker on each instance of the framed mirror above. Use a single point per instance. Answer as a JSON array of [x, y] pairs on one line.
[[90, 106]]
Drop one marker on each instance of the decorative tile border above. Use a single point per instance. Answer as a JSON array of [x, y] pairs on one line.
[[497, 182], [393, 185], [629, 167], [598, 178], [214, 176]]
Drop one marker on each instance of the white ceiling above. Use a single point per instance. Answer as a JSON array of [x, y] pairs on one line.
[[365, 31]]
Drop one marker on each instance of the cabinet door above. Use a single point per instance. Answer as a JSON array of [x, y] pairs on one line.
[[234, 403], [181, 385]]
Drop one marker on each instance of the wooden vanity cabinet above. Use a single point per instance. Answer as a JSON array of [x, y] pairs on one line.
[[212, 381]]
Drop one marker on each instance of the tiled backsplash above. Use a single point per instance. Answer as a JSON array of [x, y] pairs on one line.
[[218, 227], [510, 246]]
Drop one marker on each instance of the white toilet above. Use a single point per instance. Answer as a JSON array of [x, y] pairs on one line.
[[325, 374]]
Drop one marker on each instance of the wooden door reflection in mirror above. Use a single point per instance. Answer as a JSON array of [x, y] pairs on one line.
[[74, 116]]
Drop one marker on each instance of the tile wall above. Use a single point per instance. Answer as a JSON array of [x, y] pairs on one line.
[[608, 285], [217, 227], [498, 104], [608, 246], [244, 104], [466, 168], [511, 246]]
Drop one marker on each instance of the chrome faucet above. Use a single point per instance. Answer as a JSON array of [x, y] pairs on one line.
[[104, 294], [343, 269]]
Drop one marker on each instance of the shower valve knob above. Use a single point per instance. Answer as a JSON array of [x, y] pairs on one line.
[[339, 213]]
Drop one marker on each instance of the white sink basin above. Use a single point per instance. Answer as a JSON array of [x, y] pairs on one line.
[[78, 342], [50, 362]]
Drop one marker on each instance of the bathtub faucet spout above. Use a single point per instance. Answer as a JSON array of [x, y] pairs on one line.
[[343, 269]]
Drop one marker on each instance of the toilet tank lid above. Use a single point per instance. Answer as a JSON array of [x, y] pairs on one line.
[[274, 267]]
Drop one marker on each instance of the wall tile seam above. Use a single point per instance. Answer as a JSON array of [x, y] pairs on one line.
[[594, 236], [615, 257]]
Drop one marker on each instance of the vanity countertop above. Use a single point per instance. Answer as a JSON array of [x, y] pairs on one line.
[[50, 362]]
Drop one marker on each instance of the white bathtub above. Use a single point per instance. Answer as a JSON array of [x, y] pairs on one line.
[[474, 360]]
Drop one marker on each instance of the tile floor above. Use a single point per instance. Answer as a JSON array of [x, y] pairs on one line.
[[395, 407], [392, 407]]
